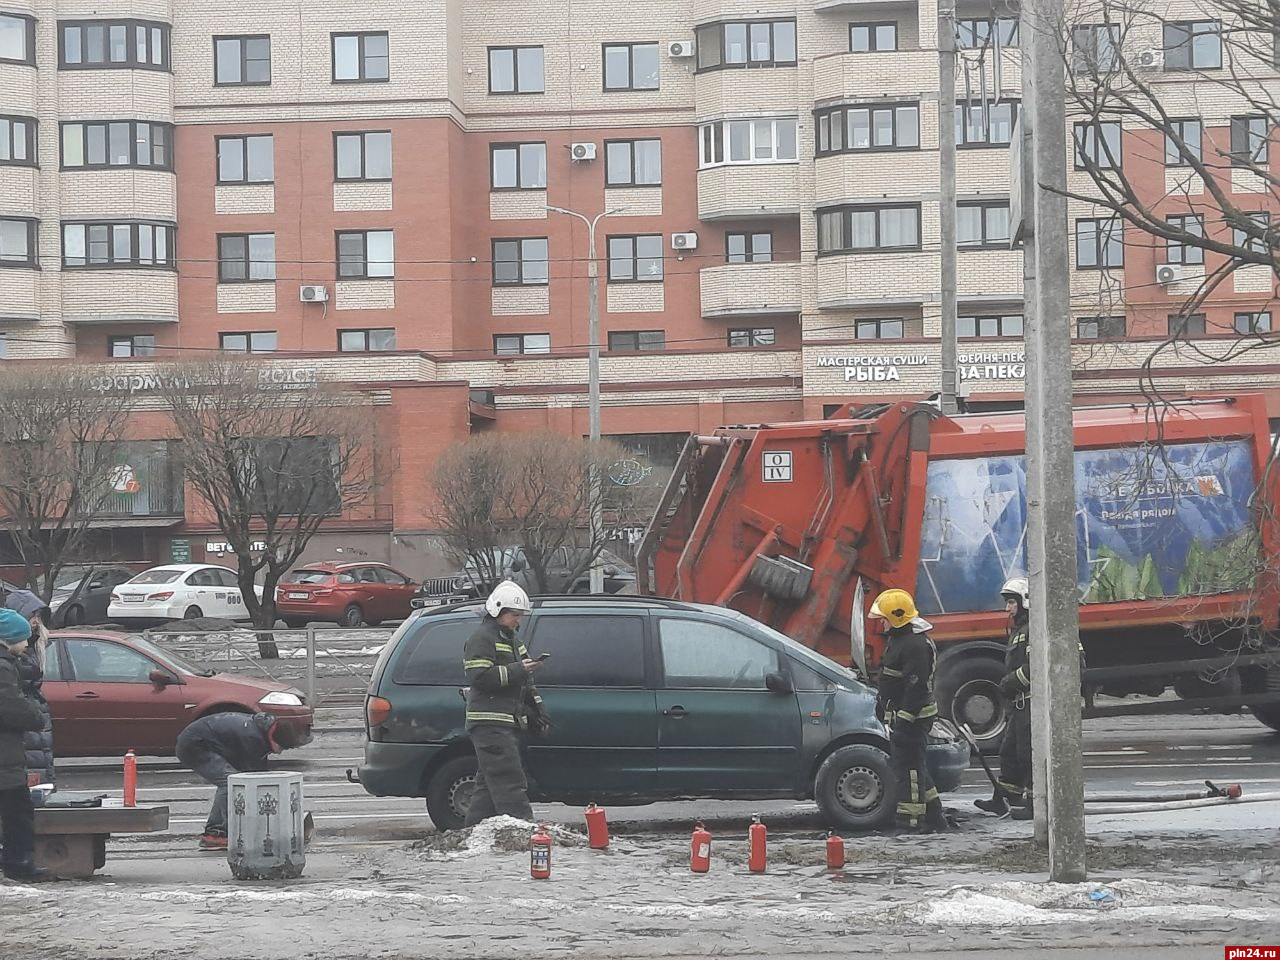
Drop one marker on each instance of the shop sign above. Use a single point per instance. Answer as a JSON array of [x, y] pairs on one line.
[[993, 365], [179, 551], [891, 368], [221, 546], [275, 375]]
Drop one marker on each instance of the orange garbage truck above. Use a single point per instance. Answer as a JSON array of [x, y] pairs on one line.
[[801, 524]]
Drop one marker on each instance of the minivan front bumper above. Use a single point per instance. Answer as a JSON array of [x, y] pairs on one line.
[[396, 769], [947, 756]]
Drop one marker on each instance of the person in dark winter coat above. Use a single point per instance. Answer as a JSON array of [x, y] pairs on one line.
[[17, 716], [221, 744], [37, 743]]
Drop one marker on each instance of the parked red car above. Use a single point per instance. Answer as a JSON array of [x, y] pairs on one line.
[[109, 693], [351, 594]]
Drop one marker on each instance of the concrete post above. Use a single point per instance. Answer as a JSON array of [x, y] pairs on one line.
[[311, 664], [947, 198], [596, 580]]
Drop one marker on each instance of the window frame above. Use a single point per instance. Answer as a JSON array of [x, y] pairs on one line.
[[1001, 320], [523, 351], [33, 244], [29, 39], [514, 50], [1080, 136], [1189, 27], [631, 145], [364, 156], [1099, 245], [962, 118], [637, 335], [134, 347], [1252, 315], [823, 120], [364, 258], [713, 136], [31, 140], [519, 262], [1179, 324], [134, 139], [971, 23], [244, 139], [1251, 156], [1182, 160], [749, 253], [846, 212], [242, 39], [1105, 325], [367, 333], [635, 258], [248, 341], [629, 46], [754, 337], [985, 243], [247, 262], [131, 26], [721, 27], [872, 29], [1184, 250], [135, 227], [1240, 238], [1087, 61], [360, 36], [879, 324], [517, 148]]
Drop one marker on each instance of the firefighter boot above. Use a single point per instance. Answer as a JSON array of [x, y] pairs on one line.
[[935, 820], [996, 804]]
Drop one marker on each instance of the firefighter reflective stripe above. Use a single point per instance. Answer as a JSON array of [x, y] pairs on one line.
[[927, 711], [502, 673], [1022, 677], [523, 651], [913, 806], [890, 672], [537, 699], [481, 716], [477, 664], [504, 648]]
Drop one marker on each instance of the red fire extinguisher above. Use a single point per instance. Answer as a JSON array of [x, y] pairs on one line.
[[700, 860], [756, 835], [540, 854], [835, 852], [597, 828], [130, 780]]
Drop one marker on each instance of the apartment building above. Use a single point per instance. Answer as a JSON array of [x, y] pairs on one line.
[[369, 188]]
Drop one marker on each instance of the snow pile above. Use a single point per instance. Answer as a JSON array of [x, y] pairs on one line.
[[496, 835], [301, 897]]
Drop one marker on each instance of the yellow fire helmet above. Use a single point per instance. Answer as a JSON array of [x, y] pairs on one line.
[[896, 606]]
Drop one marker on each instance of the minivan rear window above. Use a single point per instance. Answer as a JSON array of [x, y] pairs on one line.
[[307, 576], [432, 654]]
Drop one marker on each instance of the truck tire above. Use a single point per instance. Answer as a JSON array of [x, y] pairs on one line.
[[968, 691], [449, 792], [1268, 714], [855, 788]]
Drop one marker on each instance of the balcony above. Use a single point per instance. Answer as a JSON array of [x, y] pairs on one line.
[[875, 76], [146, 482], [750, 289], [749, 190], [852, 280], [119, 296]]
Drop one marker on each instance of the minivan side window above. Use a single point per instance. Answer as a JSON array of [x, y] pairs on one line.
[[589, 651], [705, 655], [433, 653], [808, 680]]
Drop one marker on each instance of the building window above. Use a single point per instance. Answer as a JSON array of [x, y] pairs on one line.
[[893, 328], [366, 254], [136, 345], [18, 141], [115, 245], [989, 325], [1095, 48], [872, 37], [1247, 323], [1100, 328], [250, 341], [1254, 240], [748, 247], [246, 257], [983, 125], [882, 127], [1193, 45], [367, 341], [753, 43], [117, 143], [630, 66], [518, 166], [747, 141], [633, 163], [752, 337], [360, 57], [868, 229], [984, 224], [4, 346], [635, 259], [1188, 131], [1186, 325], [1249, 141], [973, 33], [362, 156], [246, 159], [17, 39], [520, 262], [18, 242], [113, 44], [242, 61], [1098, 145], [511, 344], [1099, 243], [638, 340], [515, 70], [1177, 251]]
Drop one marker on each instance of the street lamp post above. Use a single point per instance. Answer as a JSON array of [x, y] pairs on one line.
[[593, 377]]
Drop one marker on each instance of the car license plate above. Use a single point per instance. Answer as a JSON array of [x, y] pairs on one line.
[[297, 596], [132, 597]]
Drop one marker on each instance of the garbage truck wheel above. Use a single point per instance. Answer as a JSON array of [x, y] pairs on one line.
[[1268, 714]]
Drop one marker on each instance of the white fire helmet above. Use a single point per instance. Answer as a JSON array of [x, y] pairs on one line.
[[1019, 588], [507, 596]]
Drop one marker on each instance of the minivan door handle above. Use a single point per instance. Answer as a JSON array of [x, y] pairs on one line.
[[677, 711]]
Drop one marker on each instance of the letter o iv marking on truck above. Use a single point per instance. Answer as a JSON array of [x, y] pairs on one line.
[[775, 466]]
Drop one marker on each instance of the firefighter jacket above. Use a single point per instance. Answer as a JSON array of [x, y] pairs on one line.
[[1016, 683], [906, 674], [500, 689]]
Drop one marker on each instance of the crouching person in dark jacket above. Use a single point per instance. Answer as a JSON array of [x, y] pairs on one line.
[[38, 743], [17, 716], [221, 744]]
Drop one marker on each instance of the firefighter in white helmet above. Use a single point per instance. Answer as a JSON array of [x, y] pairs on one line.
[[1014, 783], [502, 703]]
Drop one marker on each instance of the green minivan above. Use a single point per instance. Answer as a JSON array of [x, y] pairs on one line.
[[651, 700]]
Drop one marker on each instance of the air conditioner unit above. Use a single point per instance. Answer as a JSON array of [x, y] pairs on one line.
[[684, 241], [1168, 273], [1152, 59], [582, 151], [680, 49], [313, 293]]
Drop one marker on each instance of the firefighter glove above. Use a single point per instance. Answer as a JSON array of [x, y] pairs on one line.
[[1009, 686]]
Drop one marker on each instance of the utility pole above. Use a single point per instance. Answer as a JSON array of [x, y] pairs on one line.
[[947, 197], [1051, 502], [593, 380]]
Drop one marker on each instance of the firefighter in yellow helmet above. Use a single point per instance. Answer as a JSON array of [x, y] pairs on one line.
[[906, 703]]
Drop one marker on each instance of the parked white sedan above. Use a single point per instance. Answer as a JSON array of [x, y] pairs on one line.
[[179, 591]]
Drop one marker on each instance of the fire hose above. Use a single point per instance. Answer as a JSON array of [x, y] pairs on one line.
[[1101, 808]]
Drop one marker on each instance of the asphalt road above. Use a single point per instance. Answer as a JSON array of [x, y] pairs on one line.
[[1148, 754]]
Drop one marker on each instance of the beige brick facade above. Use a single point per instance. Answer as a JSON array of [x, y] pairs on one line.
[[364, 294], [518, 205], [750, 289], [119, 296], [634, 201], [19, 295], [103, 194], [245, 198], [635, 297], [748, 190], [246, 297], [520, 301]]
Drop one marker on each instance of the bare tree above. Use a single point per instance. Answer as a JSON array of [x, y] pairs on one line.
[[526, 490], [59, 436], [272, 461]]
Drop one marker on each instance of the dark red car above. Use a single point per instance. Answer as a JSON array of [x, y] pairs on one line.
[[351, 594], [109, 693]]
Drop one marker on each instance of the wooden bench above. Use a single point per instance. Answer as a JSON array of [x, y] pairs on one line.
[[71, 842]]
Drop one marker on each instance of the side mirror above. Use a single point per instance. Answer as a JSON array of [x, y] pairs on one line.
[[517, 564], [160, 678], [778, 683]]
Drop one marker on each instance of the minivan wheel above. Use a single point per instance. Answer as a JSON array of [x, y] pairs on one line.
[[855, 788], [449, 793]]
